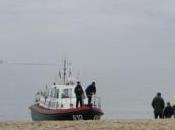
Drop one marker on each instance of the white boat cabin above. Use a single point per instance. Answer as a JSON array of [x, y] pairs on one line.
[[62, 97]]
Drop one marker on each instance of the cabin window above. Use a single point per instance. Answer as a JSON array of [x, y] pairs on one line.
[[57, 93], [54, 93], [66, 93]]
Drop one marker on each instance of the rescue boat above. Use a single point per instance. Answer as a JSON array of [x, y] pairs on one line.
[[58, 102]]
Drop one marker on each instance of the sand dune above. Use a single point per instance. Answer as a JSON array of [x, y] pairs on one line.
[[168, 124]]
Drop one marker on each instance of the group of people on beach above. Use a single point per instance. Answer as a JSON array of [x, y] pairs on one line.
[[90, 91], [160, 110]]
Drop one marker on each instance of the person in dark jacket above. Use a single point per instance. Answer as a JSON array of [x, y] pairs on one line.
[[168, 111], [158, 105], [90, 90], [79, 94]]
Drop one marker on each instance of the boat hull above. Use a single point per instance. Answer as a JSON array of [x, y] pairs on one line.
[[82, 113]]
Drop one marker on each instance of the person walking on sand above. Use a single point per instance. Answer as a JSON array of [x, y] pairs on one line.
[[168, 111], [158, 105], [90, 91], [79, 94]]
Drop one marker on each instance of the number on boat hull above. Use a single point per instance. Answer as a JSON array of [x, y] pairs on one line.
[[77, 117]]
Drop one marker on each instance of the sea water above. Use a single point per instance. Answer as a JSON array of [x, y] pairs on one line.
[[124, 94]]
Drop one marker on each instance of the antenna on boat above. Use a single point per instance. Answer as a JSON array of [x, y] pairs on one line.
[[64, 73], [67, 71]]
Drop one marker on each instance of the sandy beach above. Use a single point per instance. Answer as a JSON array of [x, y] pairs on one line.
[[167, 124]]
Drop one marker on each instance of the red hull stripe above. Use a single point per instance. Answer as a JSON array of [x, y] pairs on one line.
[[70, 110]]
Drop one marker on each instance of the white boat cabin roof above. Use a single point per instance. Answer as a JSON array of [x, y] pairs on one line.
[[63, 86]]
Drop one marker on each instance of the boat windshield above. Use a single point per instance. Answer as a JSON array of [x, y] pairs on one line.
[[54, 93], [66, 93]]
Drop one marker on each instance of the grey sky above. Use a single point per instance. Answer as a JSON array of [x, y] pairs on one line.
[[121, 42]]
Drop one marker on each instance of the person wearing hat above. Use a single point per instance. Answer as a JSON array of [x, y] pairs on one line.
[[158, 105], [90, 90]]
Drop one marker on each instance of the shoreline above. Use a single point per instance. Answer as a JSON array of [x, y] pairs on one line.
[[118, 124]]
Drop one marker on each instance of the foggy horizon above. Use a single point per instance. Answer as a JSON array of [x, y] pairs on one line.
[[126, 46]]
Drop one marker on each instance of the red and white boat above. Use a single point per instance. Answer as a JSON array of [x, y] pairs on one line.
[[58, 102]]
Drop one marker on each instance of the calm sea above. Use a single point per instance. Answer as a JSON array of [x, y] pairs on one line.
[[124, 94]]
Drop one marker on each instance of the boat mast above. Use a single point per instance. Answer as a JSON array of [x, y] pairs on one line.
[[65, 69]]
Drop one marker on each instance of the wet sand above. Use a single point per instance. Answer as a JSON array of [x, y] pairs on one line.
[[166, 124]]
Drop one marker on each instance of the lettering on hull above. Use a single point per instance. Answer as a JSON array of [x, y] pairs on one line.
[[77, 117]]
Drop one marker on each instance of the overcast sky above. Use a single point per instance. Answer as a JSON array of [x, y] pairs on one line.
[[121, 42], [137, 32]]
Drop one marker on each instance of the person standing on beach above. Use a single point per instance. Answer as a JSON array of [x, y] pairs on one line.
[[168, 111], [79, 94], [158, 105], [90, 90]]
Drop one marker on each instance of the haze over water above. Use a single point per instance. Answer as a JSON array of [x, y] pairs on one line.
[[126, 46]]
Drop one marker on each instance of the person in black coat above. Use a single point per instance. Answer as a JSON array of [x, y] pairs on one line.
[[90, 90], [158, 105], [168, 111], [79, 94]]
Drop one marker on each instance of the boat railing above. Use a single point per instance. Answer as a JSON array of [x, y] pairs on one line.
[[55, 103], [96, 101]]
